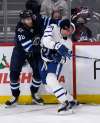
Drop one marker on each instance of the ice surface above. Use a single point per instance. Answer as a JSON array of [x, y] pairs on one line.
[[48, 114]]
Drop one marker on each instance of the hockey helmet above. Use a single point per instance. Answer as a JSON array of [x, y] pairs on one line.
[[65, 24], [25, 14]]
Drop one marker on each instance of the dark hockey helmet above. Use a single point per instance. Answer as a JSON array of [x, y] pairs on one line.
[[65, 23], [25, 14]]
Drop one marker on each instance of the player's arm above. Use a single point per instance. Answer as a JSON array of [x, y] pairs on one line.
[[47, 39], [63, 50], [48, 42], [48, 20], [25, 42]]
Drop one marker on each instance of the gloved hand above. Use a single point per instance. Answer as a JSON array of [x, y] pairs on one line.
[[58, 58], [63, 50]]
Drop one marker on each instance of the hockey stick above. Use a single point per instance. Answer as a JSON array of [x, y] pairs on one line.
[[18, 110], [85, 57]]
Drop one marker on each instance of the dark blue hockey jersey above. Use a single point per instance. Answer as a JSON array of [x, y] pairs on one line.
[[25, 37]]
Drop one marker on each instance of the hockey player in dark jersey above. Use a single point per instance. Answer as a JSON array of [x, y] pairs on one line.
[[24, 47], [27, 48]]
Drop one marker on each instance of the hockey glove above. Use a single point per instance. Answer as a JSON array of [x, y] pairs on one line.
[[58, 58], [63, 50]]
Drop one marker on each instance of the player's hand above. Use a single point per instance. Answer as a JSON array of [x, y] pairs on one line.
[[63, 50], [58, 58]]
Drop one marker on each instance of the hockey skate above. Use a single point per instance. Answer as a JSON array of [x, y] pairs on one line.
[[65, 108], [12, 102], [74, 103], [37, 100]]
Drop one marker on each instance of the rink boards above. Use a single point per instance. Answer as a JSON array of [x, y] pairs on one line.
[[81, 77], [86, 72]]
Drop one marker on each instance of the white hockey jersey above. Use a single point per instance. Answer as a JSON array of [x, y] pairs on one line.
[[51, 36]]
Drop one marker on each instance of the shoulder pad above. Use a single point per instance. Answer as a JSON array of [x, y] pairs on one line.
[[20, 30]]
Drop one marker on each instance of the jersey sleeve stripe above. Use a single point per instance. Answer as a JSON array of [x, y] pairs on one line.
[[48, 23], [45, 21], [26, 43], [47, 35], [28, 48], [47, 31]]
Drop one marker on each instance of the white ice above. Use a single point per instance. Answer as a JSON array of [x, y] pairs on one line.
[[48, 114]]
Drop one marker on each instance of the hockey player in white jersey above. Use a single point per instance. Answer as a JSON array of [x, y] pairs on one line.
[[54, 53]]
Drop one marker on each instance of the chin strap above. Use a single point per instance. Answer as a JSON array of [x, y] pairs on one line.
[[73, 26]]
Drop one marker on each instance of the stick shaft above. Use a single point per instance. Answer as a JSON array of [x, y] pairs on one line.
[[86, 57]]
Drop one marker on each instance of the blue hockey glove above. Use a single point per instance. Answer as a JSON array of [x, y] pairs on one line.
[[63, 50], [58, 58]]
